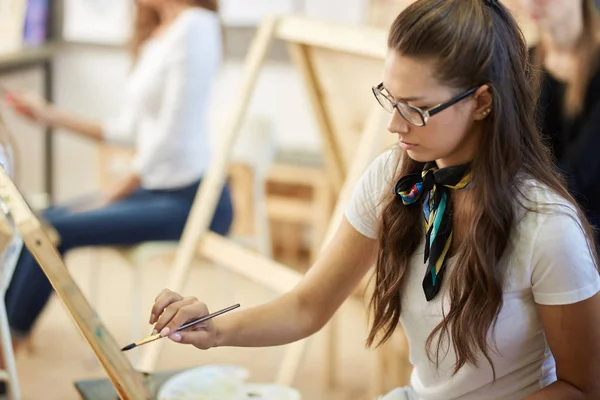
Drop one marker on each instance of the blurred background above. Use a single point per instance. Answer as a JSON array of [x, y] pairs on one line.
[[74, 53]]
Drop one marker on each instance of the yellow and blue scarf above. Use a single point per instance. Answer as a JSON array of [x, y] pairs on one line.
[[437, 211]]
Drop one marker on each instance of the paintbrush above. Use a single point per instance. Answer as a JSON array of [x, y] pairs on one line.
[[182, 327]]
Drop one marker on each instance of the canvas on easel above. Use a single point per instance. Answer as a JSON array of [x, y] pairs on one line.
[[129, 384], [350, 124]]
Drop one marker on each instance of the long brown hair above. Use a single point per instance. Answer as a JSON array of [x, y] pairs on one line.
[[147, 19], [588, 50], [474, 42]]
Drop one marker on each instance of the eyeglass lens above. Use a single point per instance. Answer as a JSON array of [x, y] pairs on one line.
[[409, 113]]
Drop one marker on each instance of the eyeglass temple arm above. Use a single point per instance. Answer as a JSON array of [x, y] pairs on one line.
[[439, 108]]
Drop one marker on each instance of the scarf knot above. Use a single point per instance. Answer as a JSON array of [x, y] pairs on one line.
[[431, 186]]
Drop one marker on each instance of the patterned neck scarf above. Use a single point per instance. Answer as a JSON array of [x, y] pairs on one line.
[[437, 210]]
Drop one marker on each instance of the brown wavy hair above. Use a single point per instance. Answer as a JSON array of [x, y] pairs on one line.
[[588, 48], [473, 42], [147, 19]]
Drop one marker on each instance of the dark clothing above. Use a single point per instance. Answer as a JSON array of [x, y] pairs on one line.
[[575, 142]]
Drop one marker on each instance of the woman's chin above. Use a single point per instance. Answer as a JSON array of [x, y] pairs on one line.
[[418, 156]]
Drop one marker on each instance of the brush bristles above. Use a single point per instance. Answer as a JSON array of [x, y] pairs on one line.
[[128, 347]]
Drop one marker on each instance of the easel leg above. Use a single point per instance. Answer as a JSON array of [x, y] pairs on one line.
[[208, 195], [369, 146]]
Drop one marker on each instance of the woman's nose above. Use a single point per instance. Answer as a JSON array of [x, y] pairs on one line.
[[398, 124]]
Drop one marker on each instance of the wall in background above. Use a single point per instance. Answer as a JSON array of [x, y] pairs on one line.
[[347, 11], [28, 137], [88, 81], [89, 78]]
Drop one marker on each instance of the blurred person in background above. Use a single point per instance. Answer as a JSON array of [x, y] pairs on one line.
[[567, 56], [177, 49]]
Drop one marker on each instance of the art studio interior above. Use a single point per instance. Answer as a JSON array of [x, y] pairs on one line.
[[168, 159]]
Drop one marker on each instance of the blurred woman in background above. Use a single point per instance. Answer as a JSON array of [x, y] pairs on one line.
[[177, 51], [568, 55]]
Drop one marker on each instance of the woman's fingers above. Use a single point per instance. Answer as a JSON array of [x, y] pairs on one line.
[[27, 105], [203, 340], [188, 311], [170, 311], [164, 299]]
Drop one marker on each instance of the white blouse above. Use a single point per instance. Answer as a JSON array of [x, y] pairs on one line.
[[166, 100]]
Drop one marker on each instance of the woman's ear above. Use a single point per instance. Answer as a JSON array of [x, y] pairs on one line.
[[483, 103]]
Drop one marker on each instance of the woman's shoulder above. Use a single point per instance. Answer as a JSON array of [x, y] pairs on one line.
[[384, 168], [535, 196], [194, 37], [193, 25], [197, 18], [552, 255], [539, 206]]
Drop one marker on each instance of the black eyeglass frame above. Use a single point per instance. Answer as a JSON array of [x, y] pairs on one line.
[[425, 114]]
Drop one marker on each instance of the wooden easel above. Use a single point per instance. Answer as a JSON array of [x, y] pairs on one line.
[[321, 51], [128, 383]]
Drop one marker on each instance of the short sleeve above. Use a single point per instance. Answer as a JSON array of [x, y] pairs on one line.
[[367, 199], [564, 270]]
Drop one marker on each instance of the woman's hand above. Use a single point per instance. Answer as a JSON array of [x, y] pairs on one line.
[[30, 106], [171, 310]]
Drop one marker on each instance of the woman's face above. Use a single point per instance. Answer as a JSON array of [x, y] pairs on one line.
[[548, 13], [448, 137]]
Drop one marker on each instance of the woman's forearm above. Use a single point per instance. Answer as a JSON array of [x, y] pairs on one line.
[[81, 126], [124, 187], [278, 322]]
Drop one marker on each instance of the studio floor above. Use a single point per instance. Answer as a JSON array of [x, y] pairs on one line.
[[59, 355]]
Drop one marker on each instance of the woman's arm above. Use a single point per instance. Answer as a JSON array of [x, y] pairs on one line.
[[78, 125], [572, 332], [36, 109], [123, 187], [566, 289], [293, 316]]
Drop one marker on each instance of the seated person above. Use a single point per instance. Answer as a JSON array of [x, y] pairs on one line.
[[177, 48], [568, 56], [480, 251]]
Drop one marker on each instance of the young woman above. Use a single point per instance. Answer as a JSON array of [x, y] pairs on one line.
[[481, 253], [568, 55], [177, 50]]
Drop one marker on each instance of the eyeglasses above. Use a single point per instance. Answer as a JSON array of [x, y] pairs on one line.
[[415, 115]]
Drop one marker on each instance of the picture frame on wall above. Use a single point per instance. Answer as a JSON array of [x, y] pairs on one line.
[[249, 13], [98, 21]]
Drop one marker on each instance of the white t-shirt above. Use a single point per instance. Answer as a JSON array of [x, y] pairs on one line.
[[547, 262], [166, 99]]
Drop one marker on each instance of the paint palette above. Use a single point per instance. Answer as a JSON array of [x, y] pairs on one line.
[[221, 382]]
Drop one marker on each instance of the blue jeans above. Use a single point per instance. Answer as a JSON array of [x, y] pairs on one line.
[[146, 215]]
